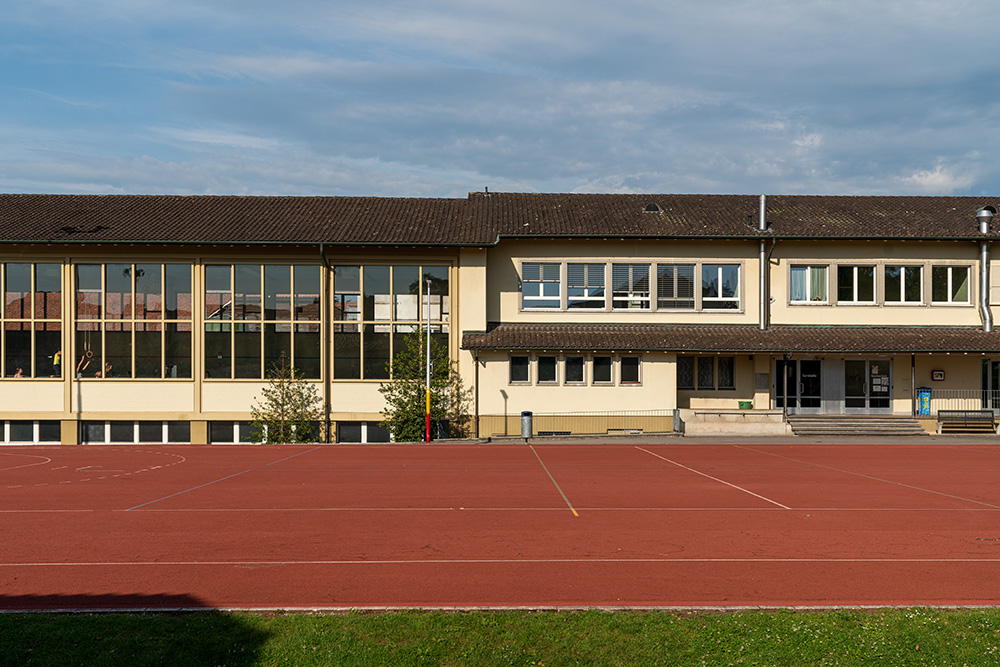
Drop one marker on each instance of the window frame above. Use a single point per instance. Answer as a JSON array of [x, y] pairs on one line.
[[638, 370], [542, 280], [583, 370], [810, 285], [578, 302], [903, 284], [33, 323], [719, 267], [855, 284], [642, 300], [549, 358], [527, 369], [676, 278], [950, 269]]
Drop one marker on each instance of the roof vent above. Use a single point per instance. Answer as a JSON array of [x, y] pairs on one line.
[[653, 207], [984, 217]]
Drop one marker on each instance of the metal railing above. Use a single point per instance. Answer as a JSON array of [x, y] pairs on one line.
[[963, 399], [617, 422]]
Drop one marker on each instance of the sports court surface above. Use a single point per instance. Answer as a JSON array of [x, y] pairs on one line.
[[484, 525]]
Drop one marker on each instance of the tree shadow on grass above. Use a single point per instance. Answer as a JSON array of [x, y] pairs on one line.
[[123, 630]]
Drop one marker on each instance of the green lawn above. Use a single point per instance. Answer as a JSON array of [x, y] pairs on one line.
[[884, 637]]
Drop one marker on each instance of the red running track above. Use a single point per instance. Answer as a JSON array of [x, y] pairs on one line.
[[545, 525]]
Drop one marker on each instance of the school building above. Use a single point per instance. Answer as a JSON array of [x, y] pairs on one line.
[[131, 319]]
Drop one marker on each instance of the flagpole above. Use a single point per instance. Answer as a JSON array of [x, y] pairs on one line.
[[427, 434]]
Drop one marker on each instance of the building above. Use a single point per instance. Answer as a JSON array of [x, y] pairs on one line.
[[155, 318]]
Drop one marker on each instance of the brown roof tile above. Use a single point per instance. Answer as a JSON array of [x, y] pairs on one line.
[[735, 338]]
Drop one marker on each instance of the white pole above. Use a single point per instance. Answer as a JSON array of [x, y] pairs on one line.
[[427, 435]]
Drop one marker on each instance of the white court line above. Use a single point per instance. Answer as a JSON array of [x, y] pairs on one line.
[[219, 510], [293, 456], [872, 477], [492, 561], [193, 488], [27, 465], [721, 481]]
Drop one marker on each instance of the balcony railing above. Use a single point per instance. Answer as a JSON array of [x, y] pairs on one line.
[[963, 399]]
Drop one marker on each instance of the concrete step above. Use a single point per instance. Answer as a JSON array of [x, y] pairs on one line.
[[855, 425]]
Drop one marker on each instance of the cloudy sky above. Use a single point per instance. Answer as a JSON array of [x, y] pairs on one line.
[[440, 97]]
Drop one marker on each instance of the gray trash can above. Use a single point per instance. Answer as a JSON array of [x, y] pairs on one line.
[[526, 419]]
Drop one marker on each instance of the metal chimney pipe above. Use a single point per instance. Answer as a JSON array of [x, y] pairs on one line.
[[984, 217], [762, 288]]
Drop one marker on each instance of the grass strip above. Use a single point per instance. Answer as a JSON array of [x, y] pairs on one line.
[[917, 636]]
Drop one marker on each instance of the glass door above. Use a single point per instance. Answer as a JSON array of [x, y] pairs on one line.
[[802, 380], [868, 385]]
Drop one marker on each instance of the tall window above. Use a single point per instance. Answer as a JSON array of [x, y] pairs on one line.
[[856, 284], [376, 306], [675, 286], [540, 286], [133, 321], [950, 284], [808, 284], [720, 286], [903, 284], [256, 314], [585, 286], [32, 320], [630, 286]]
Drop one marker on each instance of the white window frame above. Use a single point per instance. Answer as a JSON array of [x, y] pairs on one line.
[[854, 286], [555, 369], [510, 369], [810, 287], [706, 268], [545, 277], [950, 268], [583, 370], [599, 301], [903, 301], [674, 266], [638, 370], [635, 300]]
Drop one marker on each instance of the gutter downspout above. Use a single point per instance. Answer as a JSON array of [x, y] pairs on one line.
[[325, 318], [762, 226]]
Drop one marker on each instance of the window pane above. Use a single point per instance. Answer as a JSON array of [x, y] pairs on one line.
[[439, 291], [48, 350], [48, 291], [799, 283], [727, 373], [376, 357], [247, 299], [675, 286], [117, 351], [307, 280], [178, 431], [246, 358], [122, 431], [88, 349], [630, 286], [346, 352], [912, 279], [88, 291], [148, 292], [92, 433], [49, 431], [706, 373], [939, 283], [574, 369], [960, 284], [585, 286], [218, 351], [17, 349], [730, 281], [118, 291], [20, 431], [630, 370], [602, 370], [277, 292], [685, 372], [546, 369], [845, 283], [218, 293], [540, 286], [893, 283], [866, 283], [177, 294], [221, 432], [307, 350], [17, 291], [177, 351], [817, 283], [348, 431], [150, 431], [347, 291], [377, 304], [519, 369], [277, 343], [406, 289], [148, 338]]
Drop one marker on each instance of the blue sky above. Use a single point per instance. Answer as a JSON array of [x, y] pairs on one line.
[[441, 97]]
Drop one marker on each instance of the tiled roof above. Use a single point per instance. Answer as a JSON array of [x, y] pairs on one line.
[[178, 219], [729, 216], [734, 338]]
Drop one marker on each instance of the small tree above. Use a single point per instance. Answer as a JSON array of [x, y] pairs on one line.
[[405, 394], [288, 408]]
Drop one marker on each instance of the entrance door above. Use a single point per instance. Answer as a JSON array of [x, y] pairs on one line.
[[803, 381], [868, 386]]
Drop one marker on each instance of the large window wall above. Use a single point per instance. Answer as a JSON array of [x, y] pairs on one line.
[[255, 314], [375, 306], [132, 321], [31, 320]]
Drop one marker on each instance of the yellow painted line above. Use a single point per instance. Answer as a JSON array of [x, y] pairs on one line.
[[568, 503]]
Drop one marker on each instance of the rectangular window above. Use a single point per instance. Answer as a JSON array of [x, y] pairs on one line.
[[629, 370], [727, 373], [519, 370], [950, 284], [574, 370], [547, 370], [540, 286], [856, 284], [720, 286], [808, 284], [903, 284], [706, 373], [602, 370], [685, 372], [31, 320], [675, 286], [585, 286], [630, 286]]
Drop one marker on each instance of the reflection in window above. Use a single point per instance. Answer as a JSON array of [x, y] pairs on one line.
[[31, 320], [720, 286]]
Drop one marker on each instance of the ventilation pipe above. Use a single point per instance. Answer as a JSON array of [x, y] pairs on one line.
[[762, 226], [984, 217]]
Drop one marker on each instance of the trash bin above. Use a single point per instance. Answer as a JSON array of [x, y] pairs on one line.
[[746, 405], [924, 401], [526, 424]]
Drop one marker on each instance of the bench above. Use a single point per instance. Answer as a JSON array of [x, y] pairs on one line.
[[966, 420]]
